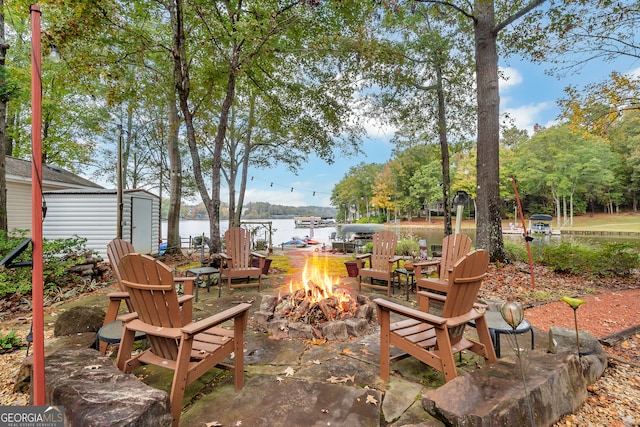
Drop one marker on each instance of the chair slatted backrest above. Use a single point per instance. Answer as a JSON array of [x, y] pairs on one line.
[[384, 249], [464, 283], [454, 247], [153, 295], [238, 247], [116, 249]]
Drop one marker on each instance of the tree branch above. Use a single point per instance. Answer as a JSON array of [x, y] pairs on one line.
[[528, 8]]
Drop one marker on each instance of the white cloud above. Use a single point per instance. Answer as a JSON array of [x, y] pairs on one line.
[[509, 77], [635, 73], [526, 116]]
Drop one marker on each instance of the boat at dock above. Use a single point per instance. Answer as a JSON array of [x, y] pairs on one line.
[[314, 221]]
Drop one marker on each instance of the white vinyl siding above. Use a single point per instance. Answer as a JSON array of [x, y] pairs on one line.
[[93, 215]]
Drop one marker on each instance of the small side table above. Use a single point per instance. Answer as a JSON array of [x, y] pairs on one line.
[[410, 278], [206, 272], [497, 326], [111, 333]]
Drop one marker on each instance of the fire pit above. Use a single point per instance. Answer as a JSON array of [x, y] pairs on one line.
[[315, 308]]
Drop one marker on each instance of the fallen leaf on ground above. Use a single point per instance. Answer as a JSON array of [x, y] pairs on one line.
[[289, 372], [372, 400]]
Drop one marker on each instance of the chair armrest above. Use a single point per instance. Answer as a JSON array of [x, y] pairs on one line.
[[127, 317], [410, 312], [184, 298], [431, 295], [257, 255], [118, 296], [201, 325], [396, 259], [153, 330], [188, 284], [224, 255], [361, 260], [418, 266]]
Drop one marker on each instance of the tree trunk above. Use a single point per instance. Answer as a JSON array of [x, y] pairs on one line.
[[183, 86], [489, 226], [3, 131], [213, 208], [444, 152], [175, 180], [245, 158]]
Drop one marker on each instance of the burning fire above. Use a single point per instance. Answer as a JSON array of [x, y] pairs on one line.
[[317, 283]]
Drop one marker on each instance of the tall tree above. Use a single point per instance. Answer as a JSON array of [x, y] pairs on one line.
[[260, 42], [3, 124], [487, 25], [426, 88]]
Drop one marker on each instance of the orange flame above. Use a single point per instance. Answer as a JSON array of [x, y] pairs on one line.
[[316, 282]]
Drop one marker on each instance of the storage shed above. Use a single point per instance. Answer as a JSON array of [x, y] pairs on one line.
[[19, 189], [92, 214]]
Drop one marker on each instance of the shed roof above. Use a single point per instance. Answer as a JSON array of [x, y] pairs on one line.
[[19, 169]]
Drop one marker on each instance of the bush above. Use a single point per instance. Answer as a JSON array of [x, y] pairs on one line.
[[59, 255], [606, 260], [407, 247]]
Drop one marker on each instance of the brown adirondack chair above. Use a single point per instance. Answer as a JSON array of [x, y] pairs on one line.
[[454, 247], [381, 261], [188, 348], [237, 261], [432, 339], [116, 249]]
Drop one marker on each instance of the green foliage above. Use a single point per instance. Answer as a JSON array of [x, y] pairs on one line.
[[9, 342], [617, 259], [605, 260], [59, 256], [408, 247], [9, 87]]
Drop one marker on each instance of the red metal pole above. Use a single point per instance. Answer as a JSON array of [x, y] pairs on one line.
[[37, 282], [524, 232]]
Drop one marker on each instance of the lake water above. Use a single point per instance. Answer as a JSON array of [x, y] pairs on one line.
[[284, 230]]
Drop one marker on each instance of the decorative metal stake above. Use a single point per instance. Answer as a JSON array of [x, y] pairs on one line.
[[574, 303], [513, 314]]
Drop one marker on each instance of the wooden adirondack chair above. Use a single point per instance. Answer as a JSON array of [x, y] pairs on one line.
[[381, 261], [188, 348], [237, 261], [435, 339], [116, 249], [454, 247]]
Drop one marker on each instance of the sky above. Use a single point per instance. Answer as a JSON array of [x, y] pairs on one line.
[[528, 95]]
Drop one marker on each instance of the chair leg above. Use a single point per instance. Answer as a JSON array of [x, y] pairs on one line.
[[238, 348], [180, 379], [112, 313], [447, 361], [384, 319], [124, 351]]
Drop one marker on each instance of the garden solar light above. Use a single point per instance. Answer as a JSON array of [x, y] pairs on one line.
[[512, 313], [574, 303]]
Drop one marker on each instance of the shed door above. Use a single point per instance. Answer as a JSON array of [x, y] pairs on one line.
[[141, 236]]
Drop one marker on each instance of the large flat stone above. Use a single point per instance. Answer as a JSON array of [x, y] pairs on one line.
[[555, 386], [267, 402], [95, 393]]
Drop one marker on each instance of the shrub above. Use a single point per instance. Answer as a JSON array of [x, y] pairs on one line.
[[59, 255], [407, 247], [606, 260]]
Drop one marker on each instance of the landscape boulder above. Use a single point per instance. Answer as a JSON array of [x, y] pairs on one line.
[[79, 319], [93, 392]]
